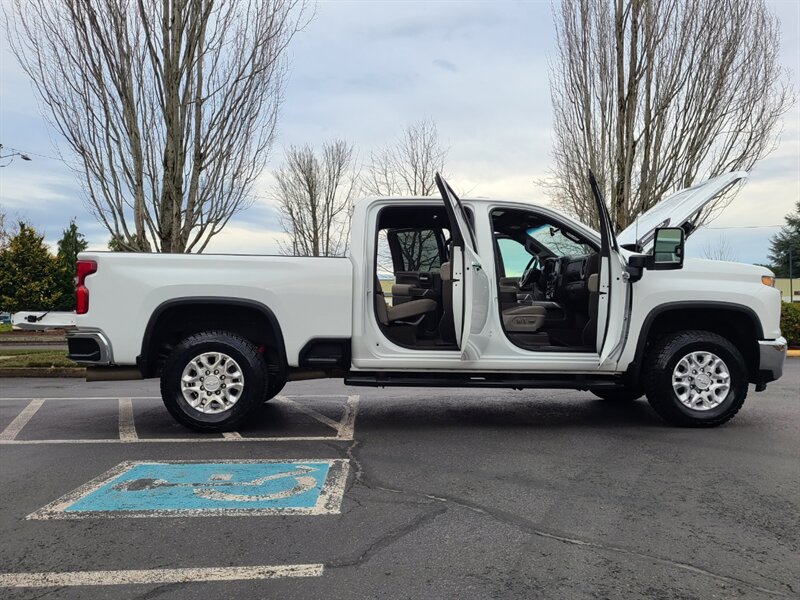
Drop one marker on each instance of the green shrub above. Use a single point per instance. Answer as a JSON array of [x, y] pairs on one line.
[[790, 323]]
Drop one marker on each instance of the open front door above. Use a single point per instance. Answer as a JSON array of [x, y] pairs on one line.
[[471, 289], [613, 309]]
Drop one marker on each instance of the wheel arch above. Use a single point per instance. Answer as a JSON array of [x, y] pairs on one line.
[[177, 318], [706, 315]]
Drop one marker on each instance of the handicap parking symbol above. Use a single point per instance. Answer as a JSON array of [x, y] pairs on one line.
[[195, 488]]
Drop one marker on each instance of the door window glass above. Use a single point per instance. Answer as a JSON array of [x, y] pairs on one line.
[[557, 242], [419, 249], [515, 257]]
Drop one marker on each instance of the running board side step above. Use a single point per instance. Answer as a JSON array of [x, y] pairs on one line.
[[517, 381]]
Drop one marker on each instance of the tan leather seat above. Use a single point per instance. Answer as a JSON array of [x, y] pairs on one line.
[[524, 319], [402, 312]]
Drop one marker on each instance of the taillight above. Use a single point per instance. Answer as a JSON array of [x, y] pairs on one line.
[[83, 268]]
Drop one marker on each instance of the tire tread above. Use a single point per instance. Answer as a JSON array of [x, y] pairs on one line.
[[245, 347], [661, 400]]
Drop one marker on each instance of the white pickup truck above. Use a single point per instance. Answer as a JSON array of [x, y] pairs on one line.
[[484, 293]]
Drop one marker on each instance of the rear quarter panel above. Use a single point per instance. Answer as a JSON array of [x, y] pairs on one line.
[[310, 297]]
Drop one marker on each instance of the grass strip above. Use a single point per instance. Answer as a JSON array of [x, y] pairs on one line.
[[34, 358]]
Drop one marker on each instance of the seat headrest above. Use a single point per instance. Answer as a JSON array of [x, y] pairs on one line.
[[444, 271]]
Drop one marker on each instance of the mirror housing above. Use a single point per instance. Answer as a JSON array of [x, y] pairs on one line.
[[667, 253]]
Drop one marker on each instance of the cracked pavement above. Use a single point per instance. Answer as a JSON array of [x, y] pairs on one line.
[[452, 494]]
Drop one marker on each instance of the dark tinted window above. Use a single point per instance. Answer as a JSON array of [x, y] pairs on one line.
[[419, 249]]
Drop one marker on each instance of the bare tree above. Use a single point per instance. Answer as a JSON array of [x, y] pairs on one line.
[[654, 95], [408, 166], [170, 107], [315, 196], [5, 231], [721, 250]]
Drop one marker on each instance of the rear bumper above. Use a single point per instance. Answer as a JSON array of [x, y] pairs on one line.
[[90, 348], [772, 355]]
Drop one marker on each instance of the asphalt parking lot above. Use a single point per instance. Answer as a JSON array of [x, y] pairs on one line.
[[410, 494]]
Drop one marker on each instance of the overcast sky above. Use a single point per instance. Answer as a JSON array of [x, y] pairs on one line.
[[363, 70]]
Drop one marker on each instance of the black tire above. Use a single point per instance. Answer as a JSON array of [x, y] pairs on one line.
[[254, 374], [621, 395], [658, 371], [274, 387]]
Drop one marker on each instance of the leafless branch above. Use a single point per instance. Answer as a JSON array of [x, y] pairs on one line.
[[170, 107], [721, 250], [408, 166], [315, 195], [655, 95]]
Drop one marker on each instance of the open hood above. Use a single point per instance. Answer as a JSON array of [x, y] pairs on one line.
[[678, 210]]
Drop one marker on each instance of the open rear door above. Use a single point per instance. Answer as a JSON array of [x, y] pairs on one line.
[[613, 309], [471, 290]]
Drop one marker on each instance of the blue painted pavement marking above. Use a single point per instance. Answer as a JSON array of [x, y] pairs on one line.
[[207, 488]]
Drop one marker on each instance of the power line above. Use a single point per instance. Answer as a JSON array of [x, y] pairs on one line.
[[39, 155], [744, 227]]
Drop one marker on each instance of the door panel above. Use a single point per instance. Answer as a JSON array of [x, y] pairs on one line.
[[457, 276], [613, 304], [471, 289], [614, 286], [477, 292]]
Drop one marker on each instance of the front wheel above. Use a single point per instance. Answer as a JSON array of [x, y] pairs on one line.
[[695, 379], [211, 380]]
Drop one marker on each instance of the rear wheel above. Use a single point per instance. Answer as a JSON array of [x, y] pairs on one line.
[[695, 379], [274, 387], [211, 380]]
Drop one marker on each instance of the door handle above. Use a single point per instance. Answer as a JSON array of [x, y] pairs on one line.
[[476, 266]]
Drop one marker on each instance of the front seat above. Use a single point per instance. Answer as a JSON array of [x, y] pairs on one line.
[[593, 287], [524, 319], [402, 313]]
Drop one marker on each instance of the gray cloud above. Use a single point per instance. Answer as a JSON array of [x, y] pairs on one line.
[[446, 65], [361, 71]]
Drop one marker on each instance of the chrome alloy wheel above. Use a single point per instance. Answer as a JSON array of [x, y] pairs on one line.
[[212, 382], [701, 380]]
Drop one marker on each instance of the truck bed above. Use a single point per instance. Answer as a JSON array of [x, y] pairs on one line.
[[311, 297]]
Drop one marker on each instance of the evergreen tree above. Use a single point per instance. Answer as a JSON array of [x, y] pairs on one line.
[[788, 238], [71, 243], [28, 273]]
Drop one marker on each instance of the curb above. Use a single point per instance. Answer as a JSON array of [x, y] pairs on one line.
[[42, 372], [793, 353]]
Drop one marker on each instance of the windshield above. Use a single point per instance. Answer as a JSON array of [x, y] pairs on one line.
[[556, 242]]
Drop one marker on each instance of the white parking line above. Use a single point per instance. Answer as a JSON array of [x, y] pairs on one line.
[[348, 422], [127, 427], [198, 440], [157, 576], [309, 411], [83, 398], [10, 432], [344, 428]]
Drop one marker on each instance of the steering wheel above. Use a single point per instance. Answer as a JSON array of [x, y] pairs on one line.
[[530, 275]]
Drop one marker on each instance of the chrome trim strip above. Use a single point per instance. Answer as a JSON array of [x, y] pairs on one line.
[[772, 355], [106, 355]]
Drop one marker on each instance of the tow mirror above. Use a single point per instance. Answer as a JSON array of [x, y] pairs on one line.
[[667, 253]]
